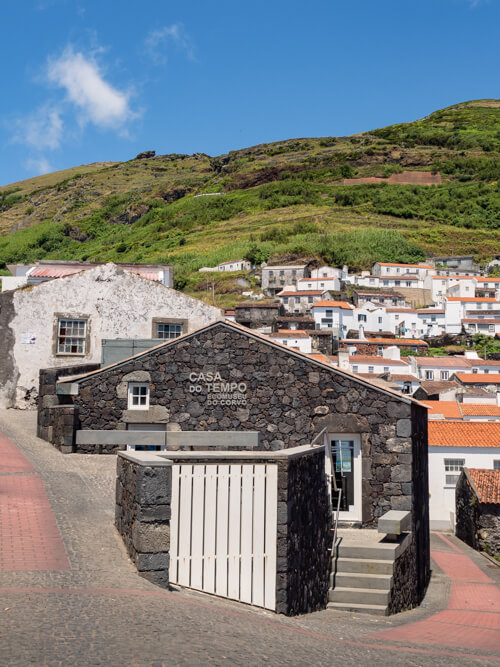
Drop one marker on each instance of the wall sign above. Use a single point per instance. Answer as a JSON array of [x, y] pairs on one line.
[[28, 339], [219, 392]]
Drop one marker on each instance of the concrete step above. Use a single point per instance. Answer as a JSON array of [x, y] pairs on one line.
[[378, 609], [376, 551], [358, 596], [360, 580], [366, 565]]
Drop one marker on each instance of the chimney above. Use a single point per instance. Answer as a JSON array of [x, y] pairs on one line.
[[344, 360]]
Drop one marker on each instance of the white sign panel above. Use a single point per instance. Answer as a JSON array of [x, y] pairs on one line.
[[28, 339]]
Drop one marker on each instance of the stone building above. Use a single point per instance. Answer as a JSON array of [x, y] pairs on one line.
[[62, 322], [226, 382], [274, 278], [478, 509], [257, 314]]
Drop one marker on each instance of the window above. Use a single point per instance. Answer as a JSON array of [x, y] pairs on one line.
[[309, 299], [444, 375], [168, 328], [294, 272], [138, 396], [372, 280], [491, 327], [380, 350], [371, 369], [71, 336], [168, 331], [429, 375], [380, 320], [282, 273], [452, 470], [361, 318], [328, 313], [396, 317], [496, 464], [270, 273], [355, 369], [386, 369], [385, 282], [433, 318], [474, 370], [309, 285], [407, 388], [408, 283]]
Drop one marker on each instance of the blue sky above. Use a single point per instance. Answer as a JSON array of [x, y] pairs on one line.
[[86, 81]]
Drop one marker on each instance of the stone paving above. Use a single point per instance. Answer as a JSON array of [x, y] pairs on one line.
[[77, 599]]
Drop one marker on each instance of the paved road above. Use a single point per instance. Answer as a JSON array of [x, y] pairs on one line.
[[70, 596]]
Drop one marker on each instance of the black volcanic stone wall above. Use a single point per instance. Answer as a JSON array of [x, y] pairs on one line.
[[304, 537], [478, 524], [289, 399], [405, 593], [142, 517]]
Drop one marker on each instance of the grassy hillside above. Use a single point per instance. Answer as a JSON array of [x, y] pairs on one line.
[[285, 200]]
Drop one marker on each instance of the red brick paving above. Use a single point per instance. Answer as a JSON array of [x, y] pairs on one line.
[[29, 536], [11, 459], [472, 618]]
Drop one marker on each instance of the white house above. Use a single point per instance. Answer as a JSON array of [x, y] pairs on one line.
[[487, 286], [45, 270], [457, 308], [329, 272], [482, 325], [387, 269], [331, 283], [335, 315], [454, 445], [371, 317], [403, 322], [370, 364], [431, 322], [438, 368], [235, 265], [462, 286], [297, 339], [63, 322]]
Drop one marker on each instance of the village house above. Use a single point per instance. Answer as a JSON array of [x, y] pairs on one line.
[[382, 298], [438, 368], [438, 390], [329, 272], [301, 301], [431, 322], [463, 411], [403, 322], [454, 445], [293, 322], [378, 345], [388, 270], [366, 364], [298, 340], [275, 278], [235, 265], [489, 287], [487, 324], [488, 381], [287, 421], [258, 314], [334, 315], [332, 284], [458, 286], [457, 308], [43, 270], [63, 322]]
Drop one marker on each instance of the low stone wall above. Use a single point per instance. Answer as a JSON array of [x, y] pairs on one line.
[[63, 419], [477, 524], [143, 512], [142, 516], [49, 421], [405, 592], [304, 537]]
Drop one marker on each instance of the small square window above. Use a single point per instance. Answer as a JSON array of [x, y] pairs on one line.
[[371, 369], [355, 369], [496, 464], [453, 468], [138, 396]]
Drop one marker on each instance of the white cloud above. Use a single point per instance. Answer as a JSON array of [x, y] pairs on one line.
[[38, 166], [41, 129], [157, 42], [98, 101]]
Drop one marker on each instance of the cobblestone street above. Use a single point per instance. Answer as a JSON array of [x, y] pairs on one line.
[[70, 596]]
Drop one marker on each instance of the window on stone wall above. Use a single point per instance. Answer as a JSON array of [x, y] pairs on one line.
[[72, 336], [452, 470], [138, 396]]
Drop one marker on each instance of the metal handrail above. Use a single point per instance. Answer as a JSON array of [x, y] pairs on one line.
[[318, 436], [336, 522]]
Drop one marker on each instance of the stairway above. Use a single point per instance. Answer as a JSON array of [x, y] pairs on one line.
[[362, 569]]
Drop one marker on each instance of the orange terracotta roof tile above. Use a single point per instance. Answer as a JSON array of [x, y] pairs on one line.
[[290, 333], [486, 483], [334, 304], [474, 299], [405, 378], [414, 266], [480, 410], [408, 311], [375, 359], [442, 362], [396, 341], [488, 280], [484, 362], [452, 277], [464, 434], [449, 409], [479, 378]]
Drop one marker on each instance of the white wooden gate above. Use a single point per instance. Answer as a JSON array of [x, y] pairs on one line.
[[223, 530]]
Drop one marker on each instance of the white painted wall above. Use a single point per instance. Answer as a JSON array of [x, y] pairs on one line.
[[442, 497], [118, 304], [330, 317], [303, 344], [332, 283]]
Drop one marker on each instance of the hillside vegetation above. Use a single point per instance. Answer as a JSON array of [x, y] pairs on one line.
[[285, 200]]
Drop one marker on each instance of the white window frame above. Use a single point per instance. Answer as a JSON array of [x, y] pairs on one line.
[[133, 394], [429, 375], [452, 466], [445, 375], [76, 338]]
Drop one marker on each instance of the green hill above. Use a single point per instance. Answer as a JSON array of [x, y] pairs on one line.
[[288, 199]]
